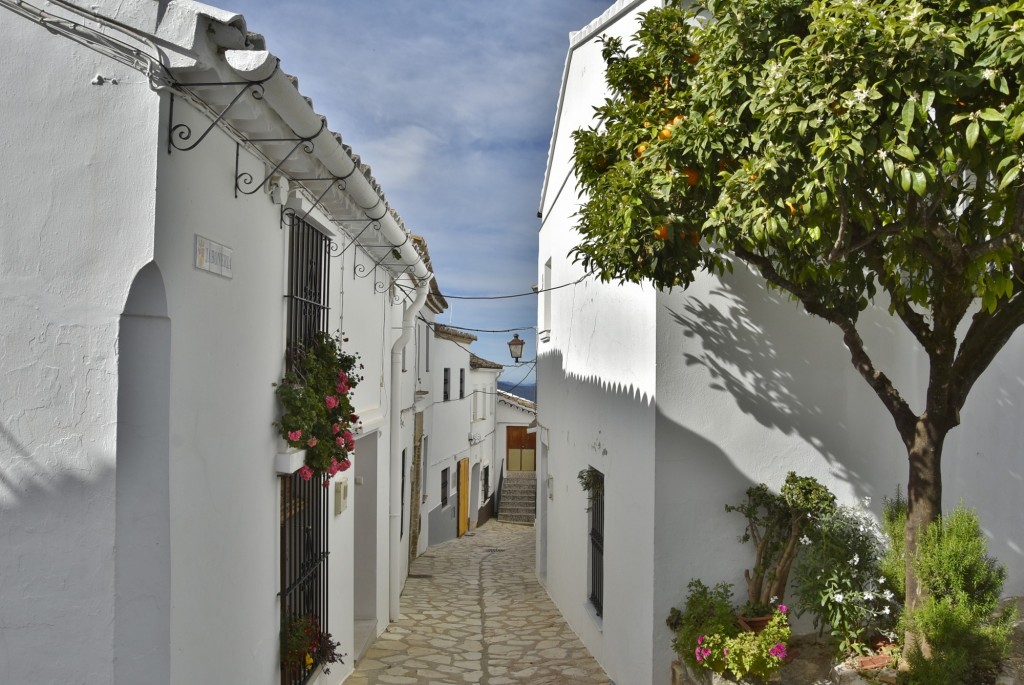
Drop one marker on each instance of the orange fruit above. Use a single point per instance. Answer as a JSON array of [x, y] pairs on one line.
[[693, 58], [792, 209], [665, 133], [661, 232], [678, 119], [640, 149], [695, 237], [691, 175]]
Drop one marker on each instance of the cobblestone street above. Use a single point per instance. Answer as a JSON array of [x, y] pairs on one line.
[[474, 612]]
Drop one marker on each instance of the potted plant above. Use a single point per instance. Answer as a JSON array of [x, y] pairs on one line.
[[316, 404], [304, 645], [712, 646], [775, 522]]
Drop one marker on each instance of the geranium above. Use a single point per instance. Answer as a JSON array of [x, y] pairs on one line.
[[316, 403]]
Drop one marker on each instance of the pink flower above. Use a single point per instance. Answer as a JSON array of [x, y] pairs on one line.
[[353, 417], [700, 639], [342, 388], [339, 441], [779, 650], [336, 429], [345, 465], [305, 473], [312, 442], [294, 436], [342, 376], [331, 401], [350, 441], [725, 651], [783, 608], [334, 467]]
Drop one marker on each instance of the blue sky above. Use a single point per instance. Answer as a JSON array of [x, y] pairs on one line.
[[452, 104]]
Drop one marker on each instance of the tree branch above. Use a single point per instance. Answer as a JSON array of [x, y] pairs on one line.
[[987, 335], [878, 381]]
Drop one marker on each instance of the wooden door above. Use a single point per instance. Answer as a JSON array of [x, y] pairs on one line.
[[463, 513], [520, 449]]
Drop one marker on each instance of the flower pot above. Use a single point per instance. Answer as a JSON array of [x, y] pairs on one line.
[[873, 662], [682, 674], [289, 462], [753, 624]]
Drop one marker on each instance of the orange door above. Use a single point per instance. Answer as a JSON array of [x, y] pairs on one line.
[[520, 449], [463, 496]]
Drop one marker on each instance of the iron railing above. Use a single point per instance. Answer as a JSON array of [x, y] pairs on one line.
[[304, 554], [596, 585], [308, 286]]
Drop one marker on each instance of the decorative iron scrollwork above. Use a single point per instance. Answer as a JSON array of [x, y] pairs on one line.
[[183, 132], [246, 179]]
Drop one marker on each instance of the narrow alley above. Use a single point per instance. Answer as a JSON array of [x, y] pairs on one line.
[[474, 612]]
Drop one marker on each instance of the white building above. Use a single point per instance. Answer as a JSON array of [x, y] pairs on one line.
[[682, 400], [178, 214]]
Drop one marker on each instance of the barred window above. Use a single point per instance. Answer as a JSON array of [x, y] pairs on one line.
[[596, 584], [303, 565], [308, 286]]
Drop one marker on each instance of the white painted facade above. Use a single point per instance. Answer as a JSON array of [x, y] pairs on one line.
[[462, 427], [685, 399], [139, 504]]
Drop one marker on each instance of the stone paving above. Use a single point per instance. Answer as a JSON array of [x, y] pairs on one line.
[[474, 612]]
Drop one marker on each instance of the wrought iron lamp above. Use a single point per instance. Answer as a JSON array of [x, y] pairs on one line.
[[515, 346]]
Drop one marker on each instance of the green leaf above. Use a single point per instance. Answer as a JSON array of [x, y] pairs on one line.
[[906, 181], [927, 98], [972, 133], [989, 114], [889, 167], [907, 117], [920, 182], [1010, 176]]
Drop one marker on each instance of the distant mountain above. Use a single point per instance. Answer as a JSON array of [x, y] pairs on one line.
[[527, 391]]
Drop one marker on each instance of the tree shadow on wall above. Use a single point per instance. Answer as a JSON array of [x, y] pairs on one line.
[[786, 370]]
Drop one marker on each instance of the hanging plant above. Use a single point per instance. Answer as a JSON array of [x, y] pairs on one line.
[[316, 404], [592, 482]]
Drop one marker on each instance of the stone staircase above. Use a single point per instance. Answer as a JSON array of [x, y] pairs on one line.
[[518, 497]]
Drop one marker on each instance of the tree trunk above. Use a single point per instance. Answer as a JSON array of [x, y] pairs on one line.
[[924, 502]]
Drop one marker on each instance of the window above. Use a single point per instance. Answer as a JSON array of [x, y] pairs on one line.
[[404, 348], [426, 348], [304, 512], [487, 483], [308, 286], [303, 560], [596, 585], [462, 383], [545, 333], [444, 487], [447, 385], [476, 405]]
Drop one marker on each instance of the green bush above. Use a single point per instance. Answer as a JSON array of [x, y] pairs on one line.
[[893, 561], [960, 621], [837, 579], [708, 611]]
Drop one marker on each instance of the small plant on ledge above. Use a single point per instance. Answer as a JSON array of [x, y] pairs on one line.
[[304, 645], [592, 482], [316, 403]]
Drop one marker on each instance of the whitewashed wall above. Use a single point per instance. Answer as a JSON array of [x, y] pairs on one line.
[[70, 246], [697, 395], [449, 437], [596, 383]]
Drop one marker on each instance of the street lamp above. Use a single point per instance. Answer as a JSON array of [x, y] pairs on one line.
[[515, 346]]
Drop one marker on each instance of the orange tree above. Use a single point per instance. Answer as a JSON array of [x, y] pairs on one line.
[[846, 150]]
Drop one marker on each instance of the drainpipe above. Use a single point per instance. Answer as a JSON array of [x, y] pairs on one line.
[[394, 520]]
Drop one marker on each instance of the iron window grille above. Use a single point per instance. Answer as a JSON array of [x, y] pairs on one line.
[[308, 286], [596, 585], [447, 384], [304, 554], [487, 482], [462, 383], [444, 487]]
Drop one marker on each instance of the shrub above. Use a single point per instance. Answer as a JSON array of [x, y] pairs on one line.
[[838, 580], [966, 634], [893, 561], [708, 610]]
